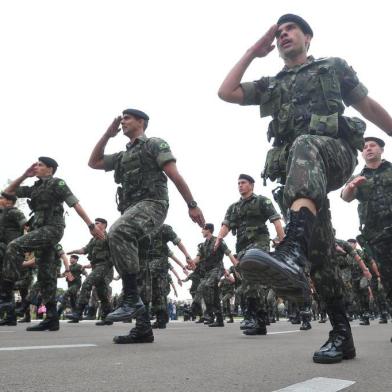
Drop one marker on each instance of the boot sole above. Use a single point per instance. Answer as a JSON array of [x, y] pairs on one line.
[[259, 266], [146, 340], [117, 318], [347, 355]]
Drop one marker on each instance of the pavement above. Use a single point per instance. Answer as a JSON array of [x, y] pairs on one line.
[[190, 357]]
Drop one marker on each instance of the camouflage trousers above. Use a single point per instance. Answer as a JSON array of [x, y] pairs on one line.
[[42, 241], [159, 284], [71, 294], [361, 294], [316, 166], [382, 252], [98, 279], [138, 221], [379, 295], [226, 306], [211, 289]]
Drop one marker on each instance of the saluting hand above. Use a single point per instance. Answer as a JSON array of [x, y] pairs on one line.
[[264, 45], [114, 127], [30, 172]]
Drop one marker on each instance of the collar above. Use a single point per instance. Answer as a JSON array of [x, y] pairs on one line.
[[140, 139], [252, 196], [384, 164], [295, 69]]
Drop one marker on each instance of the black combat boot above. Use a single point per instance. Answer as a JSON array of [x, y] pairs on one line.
[[160, 322], [9, 319], [132, 304], [91, 313], [51, 321], [306, 316], [142, 333], [260, 327], [106, 309], [284, 268], [200, 321], [231, 320], [218, 321], [340, 344], [383, 318], [22, 308], [60, 310], [77, 314], [365, 319], [26, 318]]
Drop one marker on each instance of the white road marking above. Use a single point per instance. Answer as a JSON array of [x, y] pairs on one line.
[[278, 332], [7, 331], [46, 347], [319, 384]]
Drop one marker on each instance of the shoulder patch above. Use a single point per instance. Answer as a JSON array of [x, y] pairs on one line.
[[61, 183], [163, 146]]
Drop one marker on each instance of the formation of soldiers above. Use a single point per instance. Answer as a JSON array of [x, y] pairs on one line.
[[314, 151]]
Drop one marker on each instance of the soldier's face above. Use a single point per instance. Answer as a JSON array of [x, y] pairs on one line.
[[291, 41], [41, 170], [244, 187], [72, 260], [130, 124], [372, 152], [101, 226]]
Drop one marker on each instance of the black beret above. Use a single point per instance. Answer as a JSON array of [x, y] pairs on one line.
[[75, 257], [302, 23], [136, 113], [209, 226], [377, 140], [101, 220], [8, 196], [50, 162], [353, 240], [247, 178]]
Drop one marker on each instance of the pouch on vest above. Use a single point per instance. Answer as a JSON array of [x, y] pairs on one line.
[[352, 130], [324, 125], [276, 162]]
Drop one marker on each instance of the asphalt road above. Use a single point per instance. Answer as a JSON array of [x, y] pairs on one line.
[[190, 357]]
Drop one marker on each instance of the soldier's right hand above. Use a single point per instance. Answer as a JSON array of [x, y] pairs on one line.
[[114, 127], [356, 182], [197, 216], [217, 244], [264, 45], [98, 233], [30, 172]]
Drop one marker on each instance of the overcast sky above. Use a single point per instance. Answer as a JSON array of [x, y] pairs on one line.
[[68, 68]]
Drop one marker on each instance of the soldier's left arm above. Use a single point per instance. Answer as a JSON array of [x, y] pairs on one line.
[[375, 113]]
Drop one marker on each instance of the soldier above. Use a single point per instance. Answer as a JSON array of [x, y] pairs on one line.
[[196, 306], [71, 295], [226, 286], [141, 171], [210, 255], [372, 188], [247, 219], [12, 222], [101, 265], [47, 196], [159, 265], [314, 152]]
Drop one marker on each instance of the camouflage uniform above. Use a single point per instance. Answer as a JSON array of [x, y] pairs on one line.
[[12, 221], [71, 294], [246, 218], [100, 276], [375, 215], [195, 277], [227, 293], [47, 196], [314, 149], [143, 197], [159, 267], [212, 264]]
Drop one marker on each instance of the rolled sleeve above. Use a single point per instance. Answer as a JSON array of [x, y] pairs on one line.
[[355, 95], [250, 93], [274, 218], [23, 191], [109, 161]]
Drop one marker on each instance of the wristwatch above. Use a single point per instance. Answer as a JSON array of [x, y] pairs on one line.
[[192, 204], [91, 226]]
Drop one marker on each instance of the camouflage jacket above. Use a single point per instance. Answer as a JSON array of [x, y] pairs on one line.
[[208, 258], [307, 99], [12, 221], [98, 252], [375, 200], [47, 196], [246, 218], [139, 171], [76, 271]]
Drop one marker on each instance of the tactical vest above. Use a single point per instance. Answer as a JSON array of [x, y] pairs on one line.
[[247, 222], [46, 204], [210, 258], [9, 227], [375, 200], [140, 177], [76, 271], [100, 252], [308, 101]]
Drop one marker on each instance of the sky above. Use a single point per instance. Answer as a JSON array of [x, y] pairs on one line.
[[69, 67]]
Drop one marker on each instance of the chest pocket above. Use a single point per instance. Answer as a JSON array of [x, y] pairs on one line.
[[331, 90], [270, 100], [131, 165]]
